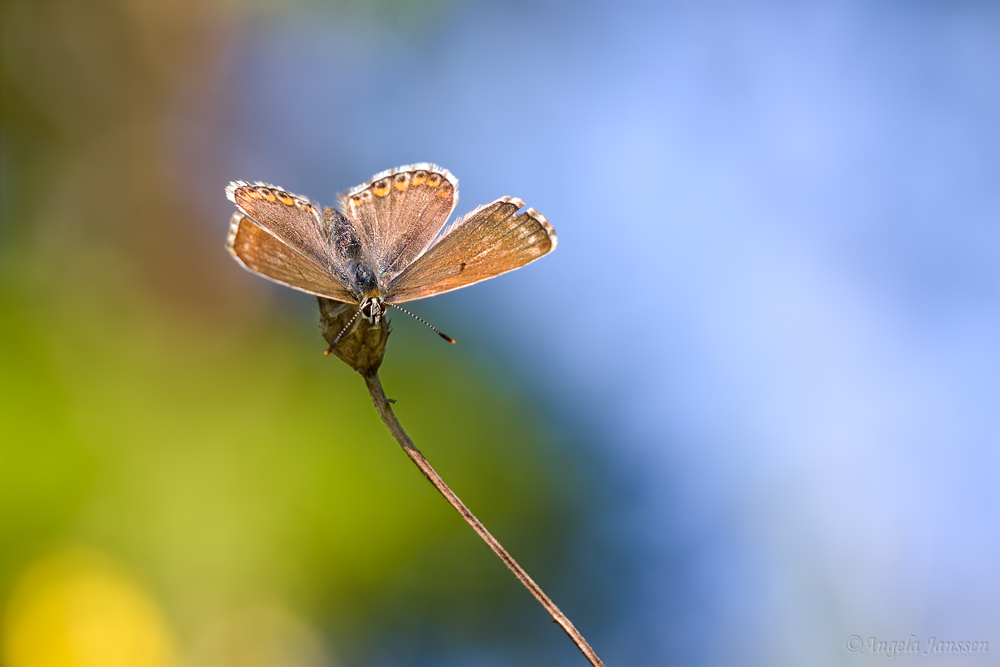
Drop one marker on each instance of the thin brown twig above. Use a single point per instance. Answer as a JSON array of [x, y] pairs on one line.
[[391, 423]]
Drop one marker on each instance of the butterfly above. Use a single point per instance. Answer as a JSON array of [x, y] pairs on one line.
[[383, 245]]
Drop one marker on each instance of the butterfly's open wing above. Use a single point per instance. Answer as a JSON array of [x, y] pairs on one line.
[[399, 212], [263, 253], [293, 219], [489, 241], [303, 255]]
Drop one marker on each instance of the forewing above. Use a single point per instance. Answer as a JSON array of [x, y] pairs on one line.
[[399, 212], [489, 241], [263, 253], [292, 219]]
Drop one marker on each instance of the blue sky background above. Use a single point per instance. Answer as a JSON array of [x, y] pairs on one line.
[[776, 300]]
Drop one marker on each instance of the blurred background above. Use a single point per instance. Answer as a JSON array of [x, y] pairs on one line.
[[748, 409]]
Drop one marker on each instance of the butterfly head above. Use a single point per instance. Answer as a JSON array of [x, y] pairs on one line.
[[373, 308], [367, 288]]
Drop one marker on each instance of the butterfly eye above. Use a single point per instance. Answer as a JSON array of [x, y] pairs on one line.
[[419, 177], [266, 193], [434, 180], [381, 188], [284, 198], [400, 181]]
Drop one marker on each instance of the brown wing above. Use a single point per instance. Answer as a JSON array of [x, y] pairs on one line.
[[292, 219], [263, 253], [489, 241], [399, 212]]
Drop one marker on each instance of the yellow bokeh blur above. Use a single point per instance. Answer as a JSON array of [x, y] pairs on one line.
[[77, 608]]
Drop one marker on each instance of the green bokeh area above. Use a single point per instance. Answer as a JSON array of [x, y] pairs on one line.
[[255, 471], [174, 413]]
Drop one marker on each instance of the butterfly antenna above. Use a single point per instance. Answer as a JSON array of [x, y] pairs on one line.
[[418, 319], [342, 332]]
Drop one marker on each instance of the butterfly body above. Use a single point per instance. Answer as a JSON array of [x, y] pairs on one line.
[[384, 244]]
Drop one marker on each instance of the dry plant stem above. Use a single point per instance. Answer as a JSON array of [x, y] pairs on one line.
[[390, 421]]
